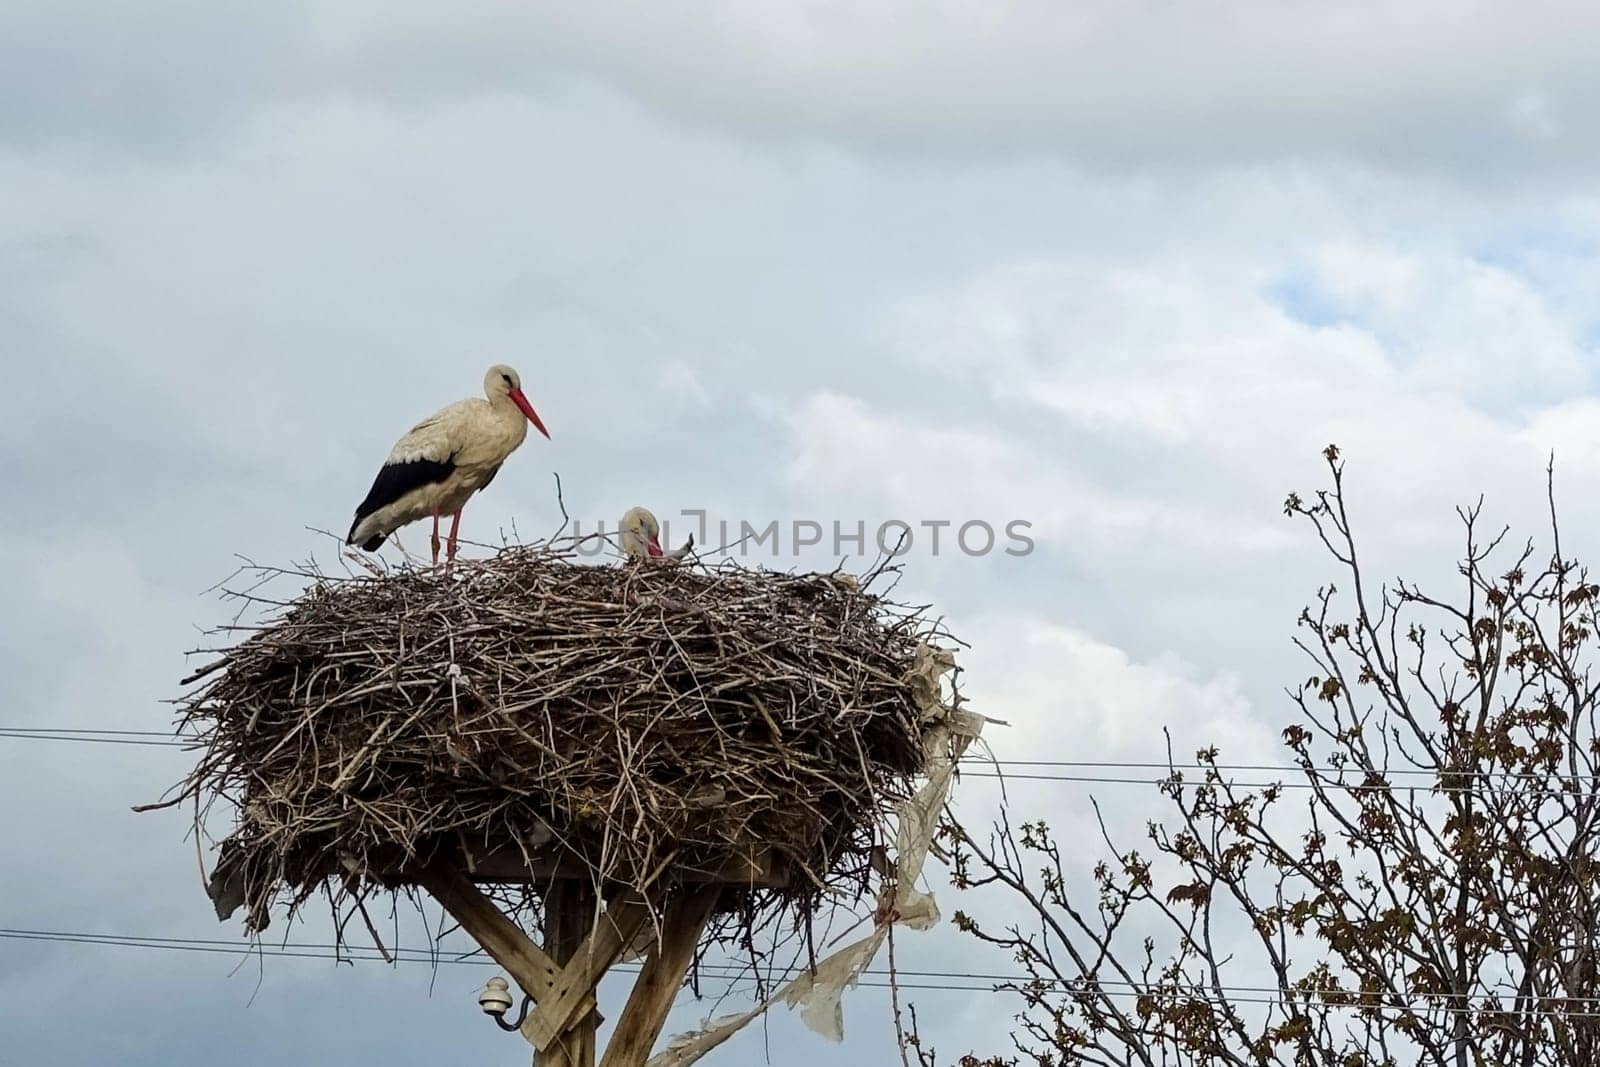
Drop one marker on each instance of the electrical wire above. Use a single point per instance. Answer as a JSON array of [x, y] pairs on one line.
[[956, 981], [160, 739], [19, 735], [348, 954]]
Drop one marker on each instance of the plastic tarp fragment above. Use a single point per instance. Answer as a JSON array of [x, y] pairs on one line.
[[819, 993]]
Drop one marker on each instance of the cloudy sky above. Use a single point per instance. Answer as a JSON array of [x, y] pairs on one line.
[[1116, 270]]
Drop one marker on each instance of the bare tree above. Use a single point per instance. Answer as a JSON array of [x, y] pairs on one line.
[[1432, 900]]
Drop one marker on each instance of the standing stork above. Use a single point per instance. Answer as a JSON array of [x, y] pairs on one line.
[[443, 460]]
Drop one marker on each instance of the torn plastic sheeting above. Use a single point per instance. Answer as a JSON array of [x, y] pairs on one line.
[[818, 993]]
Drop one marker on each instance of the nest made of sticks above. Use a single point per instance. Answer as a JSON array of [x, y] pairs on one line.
[[640, 724]]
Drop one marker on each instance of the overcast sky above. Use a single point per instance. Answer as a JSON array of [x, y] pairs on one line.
[[1117, 270]]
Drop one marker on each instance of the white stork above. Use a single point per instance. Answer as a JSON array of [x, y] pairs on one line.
[[641, 537], [443, 460]]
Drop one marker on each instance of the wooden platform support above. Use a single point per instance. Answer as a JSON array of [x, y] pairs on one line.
[[646, 1011], [501, 938], [582, 942]]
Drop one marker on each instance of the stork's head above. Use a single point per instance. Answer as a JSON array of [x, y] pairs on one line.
[[641, 534], [503, 381]]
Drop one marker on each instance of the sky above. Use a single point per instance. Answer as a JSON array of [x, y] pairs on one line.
[[1117, 271]]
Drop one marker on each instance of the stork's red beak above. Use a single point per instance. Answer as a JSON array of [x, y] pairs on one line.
[[521, 401], [655, 547]]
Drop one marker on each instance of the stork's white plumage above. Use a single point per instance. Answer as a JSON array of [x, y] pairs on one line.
[[443, 460], [641, 537]]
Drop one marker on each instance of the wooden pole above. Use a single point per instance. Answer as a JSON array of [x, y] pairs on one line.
[[657, 987], [569, 915]]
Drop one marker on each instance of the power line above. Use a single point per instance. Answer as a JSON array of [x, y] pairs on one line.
[[372, 955], [18, 735], [1214, 994], [159, 738], [311, 949], [83, 730], [1296, 768], [54, 733], [152, 739], [1338, 787]]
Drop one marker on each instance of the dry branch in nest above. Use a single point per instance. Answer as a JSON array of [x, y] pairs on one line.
[[528, 716]]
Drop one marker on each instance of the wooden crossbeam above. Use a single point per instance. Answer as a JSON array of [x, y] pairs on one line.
[[563, 993], [657, 986], [501, 938], [579, 948], [612, 934]]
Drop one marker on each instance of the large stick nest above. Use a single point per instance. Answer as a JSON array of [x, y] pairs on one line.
[[641, 725]]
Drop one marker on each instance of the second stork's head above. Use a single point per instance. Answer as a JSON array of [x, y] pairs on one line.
[[641, 534], [502, 382]]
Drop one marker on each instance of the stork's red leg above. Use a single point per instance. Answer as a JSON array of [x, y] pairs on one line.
[[455, 527], [435, 537]]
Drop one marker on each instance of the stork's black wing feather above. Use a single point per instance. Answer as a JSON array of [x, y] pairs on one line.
[[395, 480]]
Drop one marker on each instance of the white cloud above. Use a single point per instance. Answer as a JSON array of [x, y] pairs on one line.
[[1216, 396], [1571, 432], [1151, 421], [882, 465], [1532, 115], [1457, 325], [680, 381], [1099, 82], [1069, 695], [1422, 85]]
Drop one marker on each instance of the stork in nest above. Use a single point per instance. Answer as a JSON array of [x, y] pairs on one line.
[[641, 537]]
